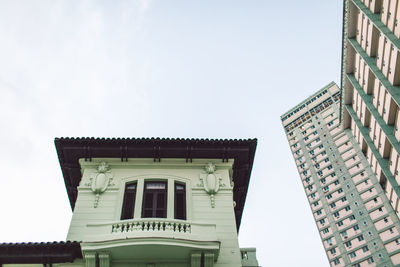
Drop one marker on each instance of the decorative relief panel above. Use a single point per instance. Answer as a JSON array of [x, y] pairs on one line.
[[100, 181], [211, 181]]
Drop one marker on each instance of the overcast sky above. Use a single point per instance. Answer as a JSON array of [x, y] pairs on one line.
[[137, 68]]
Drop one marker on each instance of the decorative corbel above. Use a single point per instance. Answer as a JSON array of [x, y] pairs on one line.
[[101, 181]]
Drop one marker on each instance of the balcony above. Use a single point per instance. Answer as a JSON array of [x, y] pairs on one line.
[[151, 238]]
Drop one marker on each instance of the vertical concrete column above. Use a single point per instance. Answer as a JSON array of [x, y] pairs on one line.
[[208, 259], [195, 260], [170, 199], [104, 259], [90, 259]]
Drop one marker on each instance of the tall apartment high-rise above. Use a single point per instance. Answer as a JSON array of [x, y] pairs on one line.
[[370, 86], [356, 222]]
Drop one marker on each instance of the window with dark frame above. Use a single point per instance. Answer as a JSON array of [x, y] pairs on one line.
[[154, 200], [128, 206], [180, 201]]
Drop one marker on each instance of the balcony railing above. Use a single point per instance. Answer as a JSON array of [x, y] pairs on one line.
[[151, 226], [162, 238]]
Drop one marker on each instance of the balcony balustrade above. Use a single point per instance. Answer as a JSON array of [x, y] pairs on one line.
[[152, 238]]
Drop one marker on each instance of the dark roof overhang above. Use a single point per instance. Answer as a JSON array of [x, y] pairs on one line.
[[45, 253], [70, 150]]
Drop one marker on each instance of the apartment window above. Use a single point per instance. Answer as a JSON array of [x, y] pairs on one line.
[[344, 199], [326, 160], [356, 227], [325, 231], [307, 180], [370, 260], [322, 221], [360, 238], [333, 174], [180, 201], [128, 206], [316, 203], [333, 251], [343, 234], [329, 196], [365, 249], [340, 190], [329, 167], [348, 244], [323, 180], [336, 182], [333, 205], [319, 172], [340, 224], [352, 218], [336, 261], [326, 188], [347, 208], [319, 212], [155, 200], [352, 255]]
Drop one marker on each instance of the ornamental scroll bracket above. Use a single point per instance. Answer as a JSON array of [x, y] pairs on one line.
[[211, 181], [100, 181]]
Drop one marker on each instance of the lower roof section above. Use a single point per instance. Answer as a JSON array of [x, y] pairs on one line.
[[44, 253], [70, 150]]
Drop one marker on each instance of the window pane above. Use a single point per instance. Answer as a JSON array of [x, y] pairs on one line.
[[155, 200], [180, 202], [128, 205], [155, 186]]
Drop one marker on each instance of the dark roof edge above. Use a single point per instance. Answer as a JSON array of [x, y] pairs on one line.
[[44, 252]]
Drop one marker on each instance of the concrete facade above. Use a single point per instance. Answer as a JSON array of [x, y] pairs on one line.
[[209, 229], [357, 224], [370, 86]]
